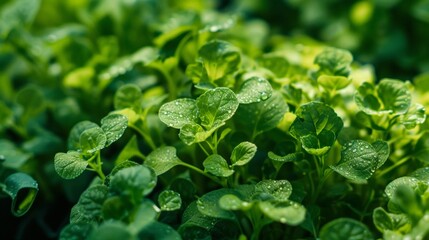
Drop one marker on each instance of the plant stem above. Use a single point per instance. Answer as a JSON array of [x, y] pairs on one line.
[[146, 137], [398, 163], [203, 173]]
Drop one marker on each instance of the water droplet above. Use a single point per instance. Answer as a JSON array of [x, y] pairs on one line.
[[283, 220], [264, 95], [354, 150]]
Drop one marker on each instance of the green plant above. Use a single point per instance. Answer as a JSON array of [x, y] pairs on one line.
[[211, 127]]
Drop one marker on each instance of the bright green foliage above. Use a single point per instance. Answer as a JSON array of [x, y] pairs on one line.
[[198, 120]]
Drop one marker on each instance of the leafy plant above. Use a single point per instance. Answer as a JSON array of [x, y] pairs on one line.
[[193, 123]]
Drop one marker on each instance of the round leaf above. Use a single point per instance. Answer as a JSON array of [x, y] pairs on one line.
[[92, 140], [287, 212], [279, 190], [127, 96], [179, 112], [76, 131], [395, 95], [217, 165], [232, 202], [216, 106], [169, 200], [255, 89], [393, 185], [209, 205], [88, 208], [162, 159], [345, 228], [69, 165], [243, 153]]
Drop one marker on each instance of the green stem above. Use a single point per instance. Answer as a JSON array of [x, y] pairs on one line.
[[223, 184], [97, 166], [146, 137], [204, 149], [398, 163]]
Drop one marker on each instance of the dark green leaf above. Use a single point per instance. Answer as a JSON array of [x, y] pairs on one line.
[[17, 14], [421, 150], [253, 90], [194, 133], [158, 230], [88, 208], [179, 112], [23, 189], [111, 230], [345, 228], [291, 157], [243, 153], [76, 131], [208, 204], [383, 150], [216, 106], [278, 190], [162, 159], [69, 165], [92, 140], [114, 126], [217, 165], [169, 200], [260, 117], [145, 214], [76, 231], [359, 160], [133, 182], [402, 181], [385, 221]]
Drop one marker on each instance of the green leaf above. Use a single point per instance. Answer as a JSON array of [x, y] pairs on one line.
[[359, 160], [143, 215], [179, 112], [389, 96], [22, 189], [243, 153], [69, 165], [208, 204], [92, 140], [334, 61], [421, 150], [394, 95], [345, 228], [158, 230], [253, 90], [117, 207], [127, 96], [216, 106], [193, 133], [276, 64], [316, 126], [169, 200], [291, 157], [333, 82], [88, 208], [17, 14], [392, 187], [292, 94], [14, 157], [315, 117], [32, 100], [421, 174], [217, 165], [76, 131], [367, 101], [114, 126], [286, 212], [278, 190], [415, 115], [133, 182], [263, 116], [232, 202], [76, 231], [385, 221], [383, 150], [6, 116], [111, 230], [219, 59], [162, 159]]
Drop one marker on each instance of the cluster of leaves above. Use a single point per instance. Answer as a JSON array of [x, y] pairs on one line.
[[211, 127]]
